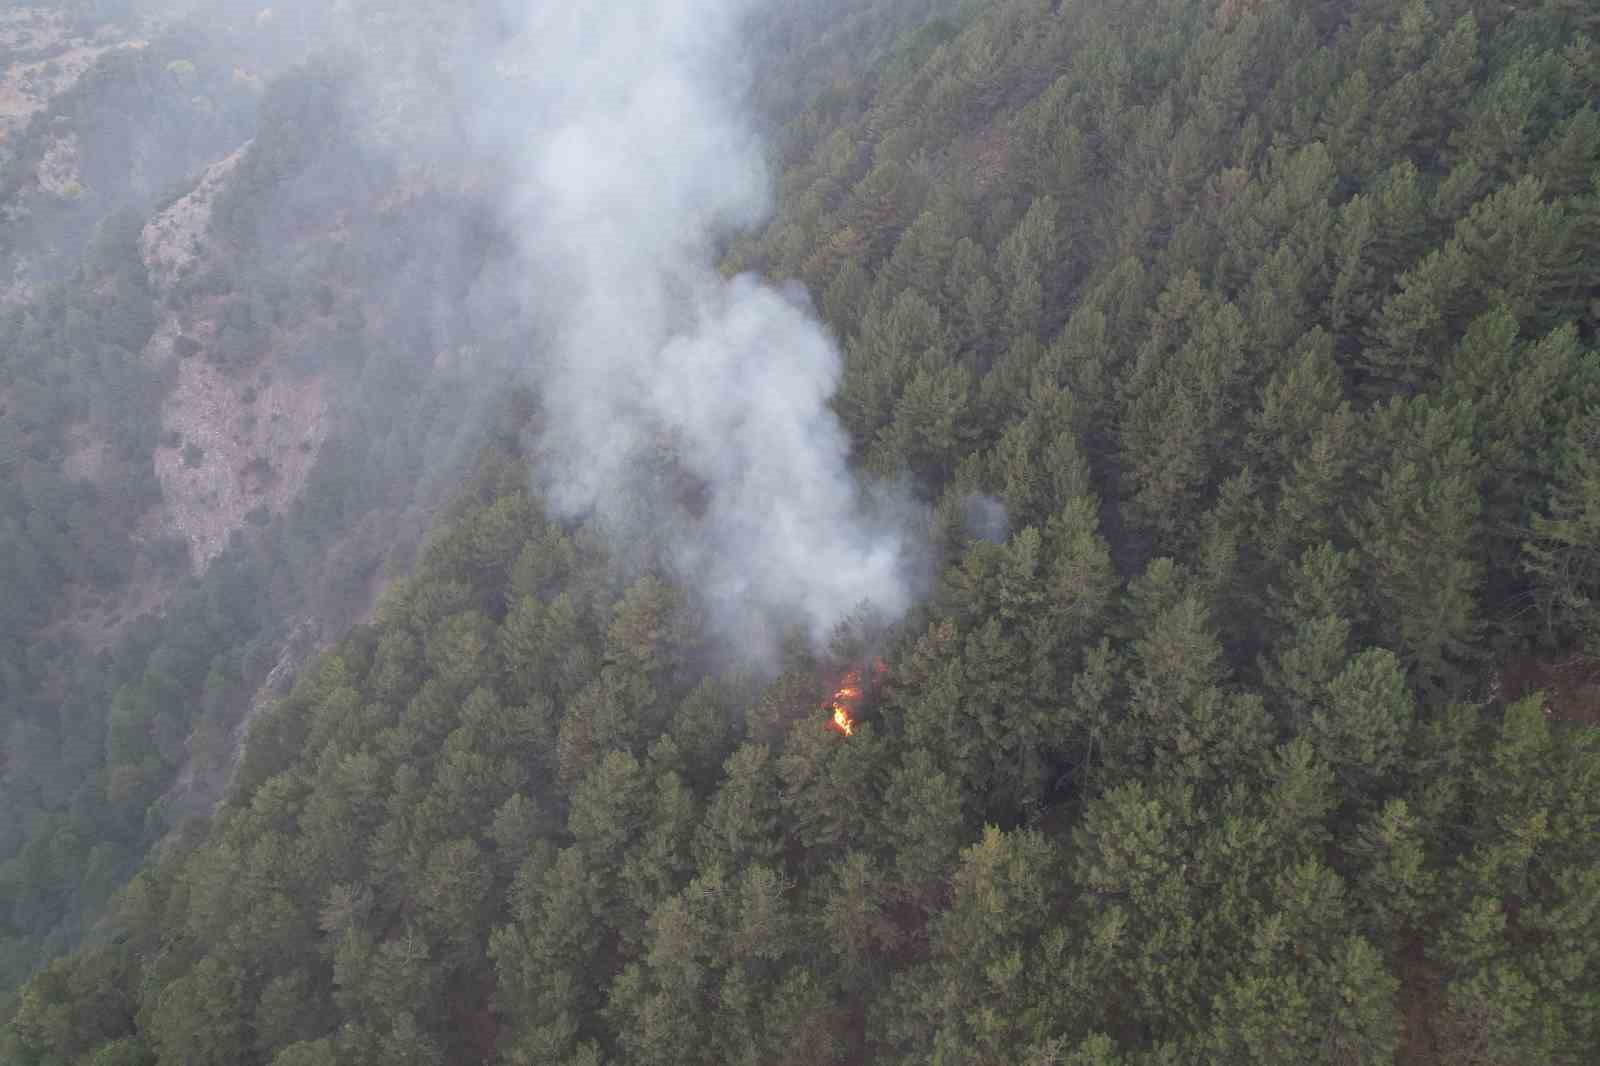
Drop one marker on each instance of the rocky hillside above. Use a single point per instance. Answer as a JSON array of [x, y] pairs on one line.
[[43, 55], [225, 421], [238, 442], [45, 52]]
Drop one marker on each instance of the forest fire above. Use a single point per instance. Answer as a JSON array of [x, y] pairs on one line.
[[847, 697], [844, 703]]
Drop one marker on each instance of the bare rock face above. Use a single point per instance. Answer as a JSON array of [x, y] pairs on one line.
[[50, 60], [245, 438], [173, 240], [249, 440]]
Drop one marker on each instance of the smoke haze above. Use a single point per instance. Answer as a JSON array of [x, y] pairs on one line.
[[631, 158], [685, 414]]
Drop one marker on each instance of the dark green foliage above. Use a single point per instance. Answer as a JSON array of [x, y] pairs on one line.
[[774, 907], [1271, 327], [91, 743]]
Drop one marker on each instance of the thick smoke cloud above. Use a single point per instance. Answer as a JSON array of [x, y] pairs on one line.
[[683, 413], [680, 407]]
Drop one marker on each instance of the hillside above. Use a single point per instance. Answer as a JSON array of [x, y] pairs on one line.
[[212, 456], [1228, 371]]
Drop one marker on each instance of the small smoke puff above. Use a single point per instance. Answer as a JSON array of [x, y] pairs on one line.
[[985, 518]]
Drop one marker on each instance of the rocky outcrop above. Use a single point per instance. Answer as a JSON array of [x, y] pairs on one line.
[[47, 61], [244, 445], [240, 441], [173, 240]]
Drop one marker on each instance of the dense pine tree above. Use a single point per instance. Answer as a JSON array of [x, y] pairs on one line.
[[1271, 327]]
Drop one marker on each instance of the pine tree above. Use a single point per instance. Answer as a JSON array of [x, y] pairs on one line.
[[1560, 551]]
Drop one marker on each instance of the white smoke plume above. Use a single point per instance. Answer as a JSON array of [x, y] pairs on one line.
[[684, 413], [631, 159]]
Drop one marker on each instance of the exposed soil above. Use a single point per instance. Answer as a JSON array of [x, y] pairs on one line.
[[1418, 997], [248, 440], [26, 88], [174, 239], [1571, 684]]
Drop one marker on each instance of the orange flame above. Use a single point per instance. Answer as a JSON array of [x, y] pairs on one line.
[[848, 696], [844, 703], [843, 722]]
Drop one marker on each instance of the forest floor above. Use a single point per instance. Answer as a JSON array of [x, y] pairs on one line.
[[1570, 682]]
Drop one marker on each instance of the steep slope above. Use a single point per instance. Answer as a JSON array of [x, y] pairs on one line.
[[124, 115], [240, 446], [1262, 336], [276, 418]]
